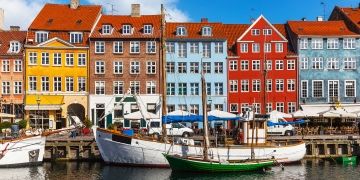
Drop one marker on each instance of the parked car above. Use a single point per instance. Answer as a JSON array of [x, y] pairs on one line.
[[172, 129]]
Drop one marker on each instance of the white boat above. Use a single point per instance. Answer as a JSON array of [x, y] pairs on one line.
[[22, 151]]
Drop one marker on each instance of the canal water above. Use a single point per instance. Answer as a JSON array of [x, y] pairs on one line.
[[314, 169]]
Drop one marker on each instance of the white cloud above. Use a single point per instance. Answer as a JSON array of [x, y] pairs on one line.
[[123, 7], [20, 12]]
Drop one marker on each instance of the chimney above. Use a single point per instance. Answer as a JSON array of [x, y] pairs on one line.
[[14, 28], [204, 20], [135, 10], [1, 19], [303, 19], [74, 4], [319, 18]]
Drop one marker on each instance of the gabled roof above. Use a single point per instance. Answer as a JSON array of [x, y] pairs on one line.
[[194, 30], [117, 21], [7, 36], [320, 28], [54, 40], [353, 14], [232, 33], [60, 17]]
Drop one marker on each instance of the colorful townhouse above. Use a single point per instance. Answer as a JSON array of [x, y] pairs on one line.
[[192, 49], [56, 61], [328, 62], [11, 74], [262, 69], [124, 68], [351, 17]]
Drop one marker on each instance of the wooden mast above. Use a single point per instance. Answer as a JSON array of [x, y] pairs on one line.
[[205, 119], [163, 69]]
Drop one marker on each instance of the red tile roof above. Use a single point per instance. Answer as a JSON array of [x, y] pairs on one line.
[[320, 28], [6, 37], [353, 14], [194, 30], [232, 33], [116, 21], [60, 17]]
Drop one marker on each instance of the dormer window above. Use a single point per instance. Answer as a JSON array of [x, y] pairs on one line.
[[267, 31], [106, 29], [181, 31], [206, 31], [76, 37], [126, 29], [14, 47], [41, 36], [148, 29]]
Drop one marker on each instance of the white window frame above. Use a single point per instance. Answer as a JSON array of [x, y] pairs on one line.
[[150, 67], [244, 65], [69, 84], [81, 84], [304, 43], [82, 59], [317, 43], [69, 59], [76, 37], [349, 43], [279, 85], [233, 65], [41, 36], [291, 64], [15, 47], [256, 64], [118, 47], [101, 86], [134, 67], [332, 43], [267, 47], [181, 31], [244, 47], [206, 31], [33, 58], [57, 59], [118, 67], [99, 47], [135, 47], [304, 89], [150, 87], [255, 48], [151, 47], [5, 87], [18, 87], [233, 86], [126, 29], [279, 65], [279, 47], [45, 84], [349, 63], [346, 87], [255, 32], [304, 63], [5, 65], [256, 85], [99, 67], [245, 85], [45, 55], [118, 87], [313, 89], [106, 29], [291, 85], [148, 29], [18, 65], [57, 84]]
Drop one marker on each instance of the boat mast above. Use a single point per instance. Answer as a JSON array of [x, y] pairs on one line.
[[205, 119], [163, 68]]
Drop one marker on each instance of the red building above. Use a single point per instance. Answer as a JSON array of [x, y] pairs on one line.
[[262, 69]]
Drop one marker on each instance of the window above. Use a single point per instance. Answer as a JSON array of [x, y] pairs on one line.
[[118, 87], [206, 67], [45, 58], [280, 106], [194, 108], [134, 67], [150, 87], [106, 29], [291, 107], [148, 29], [279, 64], [119, 111], [194, 67], [316, 43], [268, 64], [244, 47], [233, 86], [45, 84], [317, 63], [317, 86], [181, 31], [32, 83], [349, 43], [170, 89], [256, 85], [134, 47], [18, 66], [5, 66], [182, 51], [219, 48], [69, 84], [151, 107], [218, 67], [126, 29], [76, 37], [255, 32], [268, 85], [267, 31], [170, 108], [100, 87], [81, 84], [291, 85], [182, 107], [268, 107], [255, 47], [244, 107], [333, 43], [333, 90], [244, 85], [182, 67], [206, 50], [99, 67], [57, 59], [32, 58], [99, 46], [303, 43], [233, 66], [14, 47], [234, 107], [41, 36], [151, 67], [332, 63], [57, 84], [208, 89], [279, 85], [256, 107], [118, 47], [255, 64], [267, 47], [81, 59], [350, 88], [170, 47], [17, 87], [170, 67], [118, 67], [194, 88], [244, 65], [279, 47], [219, 107], [206, 31], [304, 63], [304, 88], [150, 47], [291, 64], [219, 90], [349, 63], [5, 87], [182, 89], [135, 87], [194, 47]]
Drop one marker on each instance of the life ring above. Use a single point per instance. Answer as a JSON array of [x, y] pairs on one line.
[[32, 153]]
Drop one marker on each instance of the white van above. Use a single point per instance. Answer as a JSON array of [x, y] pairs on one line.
[[172, 129], [282, 130]]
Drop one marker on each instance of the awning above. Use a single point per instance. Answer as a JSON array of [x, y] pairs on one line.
[[277, 114], [338, 112], [5, 115], [196, 118], [137, 116], [43, 107], [46, 102], [222, 114], [315, 110], [180, 113]]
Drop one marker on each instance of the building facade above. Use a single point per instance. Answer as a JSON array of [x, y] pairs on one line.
[[192, 49], [124, 67], [11, 74], [56, 59]]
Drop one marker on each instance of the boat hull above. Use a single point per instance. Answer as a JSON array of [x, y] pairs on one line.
[[138, 152], [22, 152]]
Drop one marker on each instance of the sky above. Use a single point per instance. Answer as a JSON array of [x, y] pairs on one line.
[[22, 12]]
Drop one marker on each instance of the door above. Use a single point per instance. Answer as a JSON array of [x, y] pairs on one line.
[[333, 88]]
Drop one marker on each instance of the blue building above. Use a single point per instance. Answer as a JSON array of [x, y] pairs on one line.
[[191, 49]]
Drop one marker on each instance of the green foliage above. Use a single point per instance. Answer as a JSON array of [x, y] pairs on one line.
[[110, 126], [22, 124], [5, 125], [87, 123]]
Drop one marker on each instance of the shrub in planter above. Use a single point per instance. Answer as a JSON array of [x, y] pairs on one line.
[[22, 124]]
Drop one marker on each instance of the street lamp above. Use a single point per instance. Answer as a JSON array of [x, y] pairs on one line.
[[38, 103], [2, 100]]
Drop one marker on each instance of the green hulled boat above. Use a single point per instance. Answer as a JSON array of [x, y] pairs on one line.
[[198, 165]]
